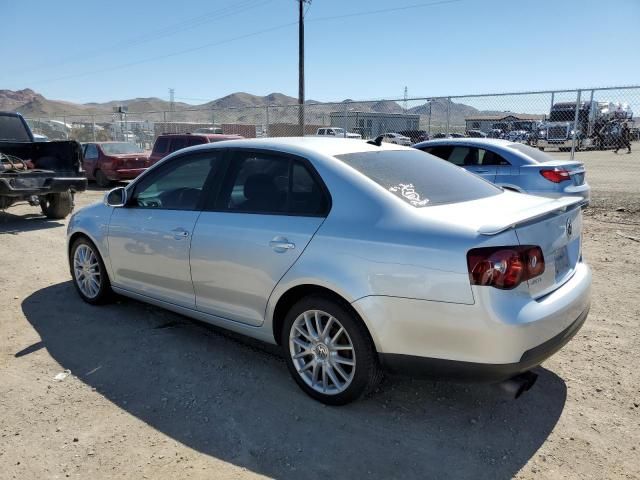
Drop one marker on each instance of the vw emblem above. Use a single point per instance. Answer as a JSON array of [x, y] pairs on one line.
[[569, 228]]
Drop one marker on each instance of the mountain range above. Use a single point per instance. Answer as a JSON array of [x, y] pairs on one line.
[[238, 107]]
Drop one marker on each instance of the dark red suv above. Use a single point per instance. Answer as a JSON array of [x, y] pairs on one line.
[[171, 142], [106, 162]]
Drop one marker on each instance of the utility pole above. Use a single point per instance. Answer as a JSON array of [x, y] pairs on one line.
[[406, 96], [301, 64], [172, 105]]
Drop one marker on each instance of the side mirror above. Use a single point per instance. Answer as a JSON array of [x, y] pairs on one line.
[[116, 197]]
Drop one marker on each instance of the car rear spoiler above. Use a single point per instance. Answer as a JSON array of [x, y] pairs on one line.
[[559, 205]]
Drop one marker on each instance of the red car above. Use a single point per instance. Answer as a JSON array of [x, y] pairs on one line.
[[107, 162], [169, 143]]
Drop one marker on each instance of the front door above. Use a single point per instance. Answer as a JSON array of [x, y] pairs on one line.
[[149, 239], [269, 208]]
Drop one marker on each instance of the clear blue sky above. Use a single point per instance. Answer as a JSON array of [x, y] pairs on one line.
[[85, 51]]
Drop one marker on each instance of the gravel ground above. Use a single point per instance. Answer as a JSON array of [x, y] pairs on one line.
[[130, 391]]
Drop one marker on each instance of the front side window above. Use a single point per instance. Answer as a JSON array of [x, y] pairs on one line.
[[419, 179], [179, 186], [271, 184]]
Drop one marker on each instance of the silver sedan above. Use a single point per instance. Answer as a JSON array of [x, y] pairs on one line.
[[354, 256], [513, 165]]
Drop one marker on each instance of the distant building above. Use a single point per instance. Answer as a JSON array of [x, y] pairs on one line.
[[372, 124], [486, 123]]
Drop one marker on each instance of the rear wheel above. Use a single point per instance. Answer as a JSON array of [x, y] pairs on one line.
[[89, 275], [101, 179], [328, 351], [57, 205]]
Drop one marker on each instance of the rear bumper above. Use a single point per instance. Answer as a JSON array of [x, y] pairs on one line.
[[555, 143], [502, 333], [25, 186], [124, 173], [480, 372]]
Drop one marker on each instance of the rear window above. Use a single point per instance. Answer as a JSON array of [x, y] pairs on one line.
[[418, 178], [533, 153], [12, 129]]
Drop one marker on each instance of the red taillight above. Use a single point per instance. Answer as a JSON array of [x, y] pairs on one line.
[[556, 175], [504, 267]]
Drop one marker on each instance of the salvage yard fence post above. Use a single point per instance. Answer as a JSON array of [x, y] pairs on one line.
[[344, 120], [266, 121], [448, 113], [575, 124]]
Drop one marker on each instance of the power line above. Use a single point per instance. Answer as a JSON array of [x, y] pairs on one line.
[[241, 37], [168, 55], [385, 10], [167, 31]]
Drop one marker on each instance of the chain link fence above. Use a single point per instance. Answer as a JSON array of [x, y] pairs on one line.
[[592, 124], [557, 120]]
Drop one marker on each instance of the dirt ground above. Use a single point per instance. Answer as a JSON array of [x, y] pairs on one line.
[[154, 395]]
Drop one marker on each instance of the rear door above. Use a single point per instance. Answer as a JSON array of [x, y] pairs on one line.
[[267, 211], [149, 239]]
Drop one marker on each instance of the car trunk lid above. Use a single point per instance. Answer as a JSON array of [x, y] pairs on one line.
[[555, 225]]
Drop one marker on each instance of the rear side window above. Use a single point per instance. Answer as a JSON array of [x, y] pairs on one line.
[[272, 184], [91, 152], [197, 140], [533, 153], [161, 145], [418, 178], [178, 144]]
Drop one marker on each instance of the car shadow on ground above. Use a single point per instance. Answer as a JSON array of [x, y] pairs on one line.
[[16, 224], [234, 400]]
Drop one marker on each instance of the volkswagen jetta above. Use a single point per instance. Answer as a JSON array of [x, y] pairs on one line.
[[354, 256]]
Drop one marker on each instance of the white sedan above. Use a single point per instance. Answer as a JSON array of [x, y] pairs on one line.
[[397, 139]]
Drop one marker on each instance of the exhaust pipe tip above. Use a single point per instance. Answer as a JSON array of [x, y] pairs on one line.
[[516, 386]]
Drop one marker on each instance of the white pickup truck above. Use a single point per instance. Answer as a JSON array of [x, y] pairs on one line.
[[335, 132]]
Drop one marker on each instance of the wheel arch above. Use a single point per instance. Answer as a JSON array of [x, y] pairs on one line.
[[296, 293], [82, 234]]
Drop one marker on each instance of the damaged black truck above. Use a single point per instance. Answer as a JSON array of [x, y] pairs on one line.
[[44, 174]]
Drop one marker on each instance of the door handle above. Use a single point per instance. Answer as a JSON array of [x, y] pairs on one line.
[[481, 171], [179, 233], [281, 244]]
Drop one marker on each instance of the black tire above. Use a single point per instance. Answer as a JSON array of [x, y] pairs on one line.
[[105, 294], [57, 205], [368, 373], [101, 179], [541, 149]]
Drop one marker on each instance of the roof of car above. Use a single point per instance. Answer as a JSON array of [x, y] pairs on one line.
[[327, 146]]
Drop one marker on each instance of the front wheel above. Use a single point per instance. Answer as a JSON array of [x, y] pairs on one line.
[[57, 205], [328, 351], [89, 274]]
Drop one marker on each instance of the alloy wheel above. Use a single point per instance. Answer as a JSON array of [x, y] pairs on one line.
[[87, 271], [322, 352]]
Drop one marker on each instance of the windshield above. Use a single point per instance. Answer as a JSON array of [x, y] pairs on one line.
[[12, 129], [533, 153], [120, 148], [338, 130], [418, 178]]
